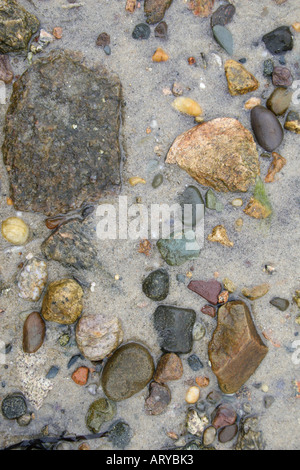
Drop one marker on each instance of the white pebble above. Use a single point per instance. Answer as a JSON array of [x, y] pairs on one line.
[[192, 395]]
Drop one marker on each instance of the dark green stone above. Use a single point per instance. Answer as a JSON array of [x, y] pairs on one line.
[[13, 406], [281, 304], [176, 251], [212, 201], [157, 180], [156, 285], [99, 412], [175, 328]]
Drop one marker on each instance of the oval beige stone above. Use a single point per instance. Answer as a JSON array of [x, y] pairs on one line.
[[220, 153], [97, 336]]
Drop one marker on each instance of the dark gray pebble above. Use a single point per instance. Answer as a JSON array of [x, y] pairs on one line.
[[195, 363], [278, 41], [281, 304], [266, 127], [156, 285]]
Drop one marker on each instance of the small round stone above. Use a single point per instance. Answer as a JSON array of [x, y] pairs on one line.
[[156, 285], [62, 302], [24, 420], [227, 433], [141, 31], [15, 231], [13, 406], [195, 363], [157, 180], [192, 395]]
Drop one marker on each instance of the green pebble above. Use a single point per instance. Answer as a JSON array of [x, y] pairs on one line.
[[224, 38], [174, 251], [157, 180], [212, 201], [99, 412]]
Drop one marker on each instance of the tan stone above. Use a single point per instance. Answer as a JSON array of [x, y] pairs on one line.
[[220, 153], [236, 349], [219, 234], [256, 292], [63, 302], [277, 164], [257, 210], [202, 8], [250, 104], [160, 55], [239, 80]]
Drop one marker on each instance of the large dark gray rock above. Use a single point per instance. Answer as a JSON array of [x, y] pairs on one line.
[[61, 146]]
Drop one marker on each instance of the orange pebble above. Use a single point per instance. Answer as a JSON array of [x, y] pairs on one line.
[[9, 201], [80, 376], [57, 32], [160, 55]]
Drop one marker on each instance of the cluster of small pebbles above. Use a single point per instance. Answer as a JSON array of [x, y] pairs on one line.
[[220, 154]]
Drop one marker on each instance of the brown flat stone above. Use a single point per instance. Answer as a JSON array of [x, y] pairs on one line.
[[236, 349], [209, 290], [34, 330], [223, 415], [219, 153], [209, 310]]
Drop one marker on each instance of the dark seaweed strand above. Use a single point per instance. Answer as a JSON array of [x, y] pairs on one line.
[[38, 442]]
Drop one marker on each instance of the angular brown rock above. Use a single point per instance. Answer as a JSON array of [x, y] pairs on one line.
[[169, 368], [236, 349], [292, 122], [155, 10], [220, 153], [158, 400], [239, 80]]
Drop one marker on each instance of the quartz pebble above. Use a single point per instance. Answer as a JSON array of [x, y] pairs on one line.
[[15, 231], [192, 395], [33, 279], [98, 336]]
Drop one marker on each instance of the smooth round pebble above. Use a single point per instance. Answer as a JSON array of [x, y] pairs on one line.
[[266, 127], [192, 395], [15, 231]]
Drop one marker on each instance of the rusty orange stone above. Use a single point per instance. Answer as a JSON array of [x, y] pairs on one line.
[[80, 376], [202, 381], [57, 32]]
